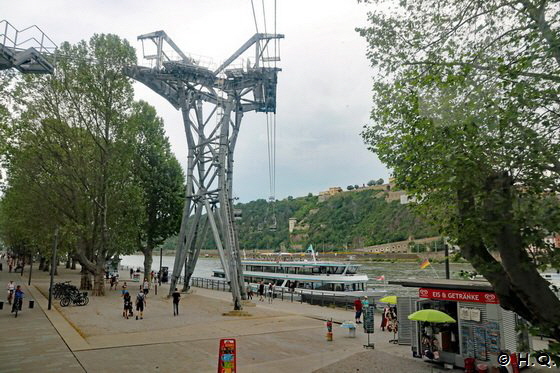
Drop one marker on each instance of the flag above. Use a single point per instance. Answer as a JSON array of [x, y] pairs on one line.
[[425, 263], [380, 278]]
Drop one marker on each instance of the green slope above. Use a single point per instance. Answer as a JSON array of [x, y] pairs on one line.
[[355, 219], [350, 219]]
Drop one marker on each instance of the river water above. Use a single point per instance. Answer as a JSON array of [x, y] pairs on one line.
[[391, 271]]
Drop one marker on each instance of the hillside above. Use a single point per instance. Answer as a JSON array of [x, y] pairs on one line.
[[351, 219]]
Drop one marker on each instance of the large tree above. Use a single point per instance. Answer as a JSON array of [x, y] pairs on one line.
[[160, 177], [466, 113], [73, 130]]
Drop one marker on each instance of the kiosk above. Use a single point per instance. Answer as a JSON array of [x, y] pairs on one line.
[[483, 328]]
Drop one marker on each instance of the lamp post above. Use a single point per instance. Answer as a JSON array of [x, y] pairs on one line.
[[53, 265], [446, 246], [30, 268]]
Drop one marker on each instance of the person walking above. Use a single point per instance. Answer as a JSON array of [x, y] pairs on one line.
[[358, 309], [176, 298], [249, 292], [384, 318], [131, 273], [146, 286], [127, 306], [261, 291], [124, 289], [11, 289], [270, 292], [140, 304]]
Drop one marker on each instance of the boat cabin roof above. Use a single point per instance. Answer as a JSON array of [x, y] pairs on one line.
[[298, 263]]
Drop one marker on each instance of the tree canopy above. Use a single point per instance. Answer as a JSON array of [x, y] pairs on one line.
[[465, 112], [82, 156]]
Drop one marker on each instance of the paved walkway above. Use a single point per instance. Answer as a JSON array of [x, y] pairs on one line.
[[277, 337], [30, 343]]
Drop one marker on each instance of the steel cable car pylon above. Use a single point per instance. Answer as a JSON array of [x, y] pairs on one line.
[[201, 94]]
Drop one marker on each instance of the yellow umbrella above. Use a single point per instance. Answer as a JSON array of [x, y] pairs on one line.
[[430, 315], [391, 299]]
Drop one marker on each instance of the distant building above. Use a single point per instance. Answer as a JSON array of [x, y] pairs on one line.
[[292, 222], [323, 196], [398, 246]]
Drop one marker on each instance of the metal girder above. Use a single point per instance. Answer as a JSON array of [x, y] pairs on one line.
[[255, 39], [212, 104]]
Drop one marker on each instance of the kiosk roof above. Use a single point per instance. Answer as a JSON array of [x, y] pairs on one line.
[[472, 285]]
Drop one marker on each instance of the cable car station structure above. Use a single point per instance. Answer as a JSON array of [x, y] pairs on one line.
[[29, 50], [212, 103]]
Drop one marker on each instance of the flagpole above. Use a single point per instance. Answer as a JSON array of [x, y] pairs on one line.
[[437, 276]]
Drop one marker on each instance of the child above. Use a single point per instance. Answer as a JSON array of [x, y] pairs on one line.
[[127, 305]]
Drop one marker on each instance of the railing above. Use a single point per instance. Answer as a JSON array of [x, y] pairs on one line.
[[29, 37], [314, 297]]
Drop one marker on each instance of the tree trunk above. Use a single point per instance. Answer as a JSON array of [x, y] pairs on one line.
[[68, 262], [42, 261], [531, 288], [516, 281], [73, 265], [85, 280], [148, 259], [99, 283], [47, 266]]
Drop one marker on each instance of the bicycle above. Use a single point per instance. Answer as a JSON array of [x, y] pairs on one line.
[[79, 299]]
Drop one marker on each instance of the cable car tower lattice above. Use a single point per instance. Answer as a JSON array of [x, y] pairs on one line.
[[212, 103]]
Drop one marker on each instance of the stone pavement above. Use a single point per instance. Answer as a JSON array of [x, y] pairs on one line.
[[277, 337], [30, 343]]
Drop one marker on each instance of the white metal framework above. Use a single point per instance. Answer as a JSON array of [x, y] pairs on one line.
[[29, 50], [212, 103]]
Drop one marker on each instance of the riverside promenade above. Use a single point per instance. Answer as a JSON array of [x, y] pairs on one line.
[[277, 337]]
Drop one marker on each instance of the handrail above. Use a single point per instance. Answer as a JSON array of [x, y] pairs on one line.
[[41, 45]]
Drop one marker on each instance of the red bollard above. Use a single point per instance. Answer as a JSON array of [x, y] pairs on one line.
[[514, 362], [469, 365]]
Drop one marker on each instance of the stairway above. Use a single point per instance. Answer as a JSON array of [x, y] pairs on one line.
[[28, 50]]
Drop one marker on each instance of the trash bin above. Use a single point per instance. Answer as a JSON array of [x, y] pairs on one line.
[[31, 303], [482, 368], [0, 266], [1, 305], [469, 365]]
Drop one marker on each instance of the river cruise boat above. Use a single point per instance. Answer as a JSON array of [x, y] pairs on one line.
[[307, 277]]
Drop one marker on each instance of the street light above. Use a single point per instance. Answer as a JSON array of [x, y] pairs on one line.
[[53, 265]]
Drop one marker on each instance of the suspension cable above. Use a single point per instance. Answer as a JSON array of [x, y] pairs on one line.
[[255, 17]]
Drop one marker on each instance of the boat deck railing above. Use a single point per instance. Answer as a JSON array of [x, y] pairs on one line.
[[314, 297]]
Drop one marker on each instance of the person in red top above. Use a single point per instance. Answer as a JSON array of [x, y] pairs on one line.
[[358, 308]]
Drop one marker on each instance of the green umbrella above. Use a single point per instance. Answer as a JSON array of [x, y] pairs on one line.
[[431, 316], [391, 299]]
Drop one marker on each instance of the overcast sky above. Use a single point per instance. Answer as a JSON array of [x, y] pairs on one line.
[[324, 90]]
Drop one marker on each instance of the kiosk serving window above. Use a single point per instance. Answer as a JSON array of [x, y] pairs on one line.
[[439, 337]]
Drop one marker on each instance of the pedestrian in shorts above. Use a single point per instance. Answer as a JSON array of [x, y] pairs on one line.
[[146, 286], [140, 304]]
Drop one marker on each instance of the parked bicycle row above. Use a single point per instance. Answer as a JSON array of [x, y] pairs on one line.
[[69, 294]]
